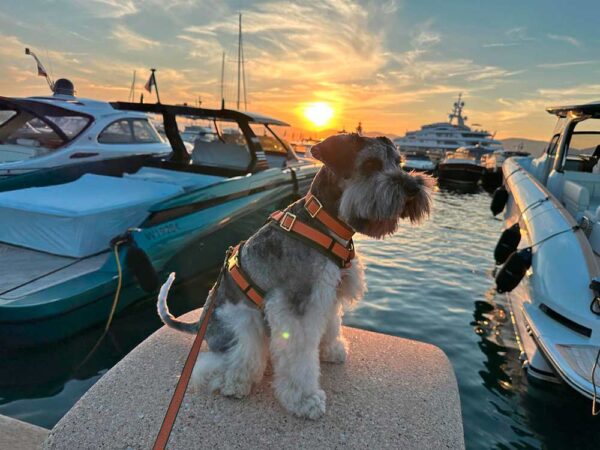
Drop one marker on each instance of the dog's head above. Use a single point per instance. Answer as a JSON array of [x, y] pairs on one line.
[[363, 181]]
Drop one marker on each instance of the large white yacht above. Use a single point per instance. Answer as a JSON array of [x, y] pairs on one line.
[[437, 139]]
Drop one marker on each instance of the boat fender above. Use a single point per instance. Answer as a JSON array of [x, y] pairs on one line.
[[511, 274], [141, 267], [595, 287], [508, 243], [499, 200]]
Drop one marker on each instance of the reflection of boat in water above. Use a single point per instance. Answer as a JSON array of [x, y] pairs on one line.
[[43, 132], [418, 162], [460, 167], [437, 139], [553, 279], [59, 228]]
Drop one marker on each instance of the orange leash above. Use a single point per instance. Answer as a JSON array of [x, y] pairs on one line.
[[182, 384]]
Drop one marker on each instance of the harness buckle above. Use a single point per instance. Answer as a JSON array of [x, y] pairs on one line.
[[292, 218], [319, 204], [232, 261]]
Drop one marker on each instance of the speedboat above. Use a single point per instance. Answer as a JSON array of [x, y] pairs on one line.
[[80, 240], [437, 139], [492, 165], [550, 251], [460, 167], [418, 162], [37, 133]]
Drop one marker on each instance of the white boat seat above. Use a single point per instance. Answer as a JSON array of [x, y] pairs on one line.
[[188, 181], [221, 154], [575, 198], [80, 218]]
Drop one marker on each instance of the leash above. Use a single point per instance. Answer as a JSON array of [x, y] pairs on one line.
[[167, 426], [175, 405]]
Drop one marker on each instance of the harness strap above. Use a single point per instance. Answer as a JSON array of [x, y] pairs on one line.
[[290, 223], [244, 282], [315, 208]]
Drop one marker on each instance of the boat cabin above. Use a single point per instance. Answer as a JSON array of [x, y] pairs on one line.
[[570, 165]]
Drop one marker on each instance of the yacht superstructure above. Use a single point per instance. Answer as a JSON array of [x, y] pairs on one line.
[[437, 139]]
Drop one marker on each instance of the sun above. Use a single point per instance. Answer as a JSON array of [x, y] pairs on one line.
[[318, 113]]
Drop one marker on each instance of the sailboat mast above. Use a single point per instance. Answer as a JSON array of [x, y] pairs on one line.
[[239, 59], [244, 74], [132, 89]]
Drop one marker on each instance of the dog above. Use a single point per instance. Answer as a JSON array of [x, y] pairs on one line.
[[305, 291]]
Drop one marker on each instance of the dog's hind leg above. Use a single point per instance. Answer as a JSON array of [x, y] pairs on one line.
[[294, 344], [238, 356]]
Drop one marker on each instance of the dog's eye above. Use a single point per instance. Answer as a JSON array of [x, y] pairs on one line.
[[371, 165]]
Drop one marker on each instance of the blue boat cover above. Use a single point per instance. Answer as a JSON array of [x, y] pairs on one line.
[[80, 218]]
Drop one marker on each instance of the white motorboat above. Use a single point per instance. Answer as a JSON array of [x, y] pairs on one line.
[[417, 161], [44, 132], [552, 278], [437, 139]]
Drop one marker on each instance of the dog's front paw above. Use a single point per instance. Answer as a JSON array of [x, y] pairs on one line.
[[334, 352], [306, 405]]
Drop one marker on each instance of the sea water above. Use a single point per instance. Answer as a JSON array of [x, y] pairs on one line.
[[431, 283]]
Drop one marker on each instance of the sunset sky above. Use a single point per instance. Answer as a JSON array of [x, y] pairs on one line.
[[394, 65]]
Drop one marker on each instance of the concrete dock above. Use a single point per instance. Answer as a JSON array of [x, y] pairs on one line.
[[18, 435], [391, 393]]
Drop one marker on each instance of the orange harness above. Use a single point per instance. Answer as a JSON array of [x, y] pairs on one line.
[[290, 223]]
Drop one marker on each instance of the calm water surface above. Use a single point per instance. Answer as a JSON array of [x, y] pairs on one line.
[[431, 283]]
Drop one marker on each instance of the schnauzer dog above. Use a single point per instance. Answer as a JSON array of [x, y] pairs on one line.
[[360, 184]]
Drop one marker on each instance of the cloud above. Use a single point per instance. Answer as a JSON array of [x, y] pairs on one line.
[[129, 40], [515, 36], [565, 64], [564, 38], [108, 9]]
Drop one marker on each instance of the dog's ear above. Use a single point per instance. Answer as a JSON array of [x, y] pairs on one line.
[[338, 153]]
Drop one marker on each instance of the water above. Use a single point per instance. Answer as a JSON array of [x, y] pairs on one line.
[[431, 283]]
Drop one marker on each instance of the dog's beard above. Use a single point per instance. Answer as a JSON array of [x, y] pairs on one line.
[[375, 205]]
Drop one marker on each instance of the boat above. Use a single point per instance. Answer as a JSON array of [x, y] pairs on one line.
[[437, 139], [38, 133], [302, 147], [460, 167], [73, 239], [550, 251], [492, 164], [418, 162]]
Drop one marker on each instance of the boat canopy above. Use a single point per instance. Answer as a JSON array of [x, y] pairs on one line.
[[588, 109]]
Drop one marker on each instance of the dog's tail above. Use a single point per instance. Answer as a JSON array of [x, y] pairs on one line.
[[166, 316]]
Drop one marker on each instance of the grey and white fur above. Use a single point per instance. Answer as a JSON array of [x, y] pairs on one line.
[[361, 183]]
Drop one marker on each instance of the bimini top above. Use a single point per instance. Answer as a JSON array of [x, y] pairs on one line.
[[200, 113], [592, 109]]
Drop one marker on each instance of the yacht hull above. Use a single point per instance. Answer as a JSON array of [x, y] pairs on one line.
[[491, 179], [468, 174], [558, 334], [188, 235]]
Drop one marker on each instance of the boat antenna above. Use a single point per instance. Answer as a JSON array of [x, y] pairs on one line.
[[42, 72], [132, 89], [222, 81]]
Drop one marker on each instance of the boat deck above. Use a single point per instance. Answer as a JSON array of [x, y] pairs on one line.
[[23, 271]]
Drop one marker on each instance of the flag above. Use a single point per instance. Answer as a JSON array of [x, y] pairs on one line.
[[151, 82], [40, 68]]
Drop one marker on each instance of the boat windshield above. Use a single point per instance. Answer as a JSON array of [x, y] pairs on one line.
[[270, 141], [583, 151], [31, 129]]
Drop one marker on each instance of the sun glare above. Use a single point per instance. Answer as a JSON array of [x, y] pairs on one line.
[[318, 113]]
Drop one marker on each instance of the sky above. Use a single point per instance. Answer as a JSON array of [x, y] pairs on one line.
[[394, 65]]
